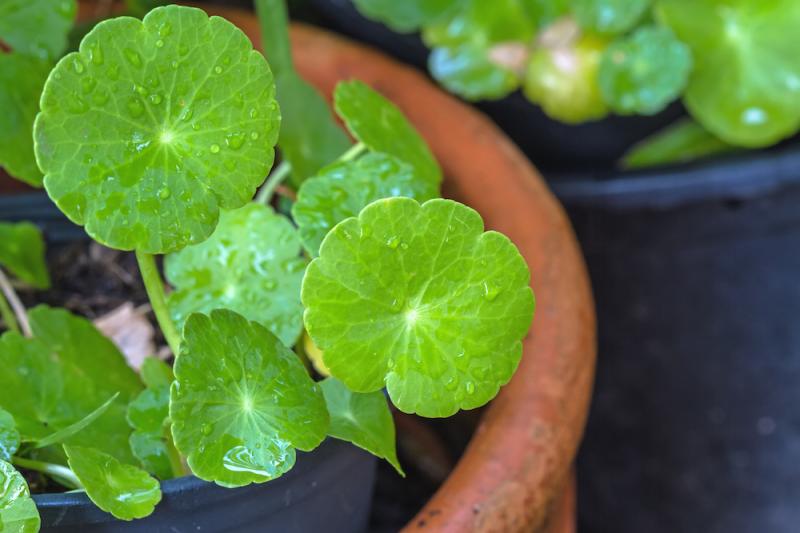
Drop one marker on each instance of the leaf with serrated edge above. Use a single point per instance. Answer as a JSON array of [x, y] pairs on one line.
[[37, 28], [251, 265], [9, 436], [380, 125], [125, 491], [22, 253], [242, 402], [343, 189], [363, 419], [154, 126], [21, 82], [18, 513], [421, 300]]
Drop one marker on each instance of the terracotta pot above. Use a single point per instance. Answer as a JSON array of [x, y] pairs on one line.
[[516, 473]]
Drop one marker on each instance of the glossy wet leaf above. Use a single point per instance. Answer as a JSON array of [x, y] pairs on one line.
[[37, 28], [343, 189], [18, 513], [379, 124], [21, 81], [22, 253], [609, 16], [147, 415], [9, 436], [62, 435], [251, 265], [125, 491], [421, 300], [406, 15], [745, 85], [152, 451], [681, 142], [242, 401], [62, 375], [154, 126], [363, 419], [642, 73]]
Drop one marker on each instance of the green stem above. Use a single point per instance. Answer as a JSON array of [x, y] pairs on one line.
[[353, 152], [7, 314], [62, 473], [155, 292], [12, 300], [277, 177], [174, 457]]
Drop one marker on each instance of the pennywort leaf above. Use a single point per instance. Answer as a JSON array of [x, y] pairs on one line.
[[380, 125], [18, 513], [419, 299], [147, 415], [609, 16], [363, 419], [467, 70], [251, 265], [125, 491], [22, 253], [644, 72], [156, 373], [37, 28], [408, 15], [242, 402], [9, 436], [680, 142], [155, 125], [343, 189]]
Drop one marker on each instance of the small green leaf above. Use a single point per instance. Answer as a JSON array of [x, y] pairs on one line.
[[9, 436], [153, 453], [62, 435], [407, 15], [363, 419], [343, 189], [21, 81], [545, 12], [156, 373], [681, 142], [22, 253], [421, 300], [242, 401], [251, 265], [745, 86], [642, 73], [467, 71], [609, 16], [37, 27], [125, 491], [148, 411], [154, 126], [147, 415], [379, 124], [18, 513]]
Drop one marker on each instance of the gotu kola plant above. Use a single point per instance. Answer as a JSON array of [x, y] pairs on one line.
[[155, 136]]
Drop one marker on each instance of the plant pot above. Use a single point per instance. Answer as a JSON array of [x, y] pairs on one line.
[[553, 145], [695, 424], [515, 474]]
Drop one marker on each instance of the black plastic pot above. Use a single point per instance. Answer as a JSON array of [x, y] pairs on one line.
[[329, 489], [550, 144], [695, 423]]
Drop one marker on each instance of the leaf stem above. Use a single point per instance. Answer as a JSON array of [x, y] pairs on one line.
[[174, 457], [63, 474], [12, 299], [353, 152], [277, 176], [158, 300], [7, 315]]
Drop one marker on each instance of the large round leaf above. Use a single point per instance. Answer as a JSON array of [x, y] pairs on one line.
[[37, 27], [745, 86], [18, 512], [242, 401], [343, 189], [421, 300], [251, 265], [154, 125]]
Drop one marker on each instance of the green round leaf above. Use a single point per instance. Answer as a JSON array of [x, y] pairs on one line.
[[745, 86], [609, 16], [151, 450], [406, 15], [37, 27], [147, 415], [251, 265], [9, 436], [149, 410], [467, 71], [21, 82], [545, 12], [379, 124], [644, 72], [22, 253], [156, 373], [154, 126], [125, 491], [363, 419], [242, 401], [420, 299], [18, 513], [343, 189]]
